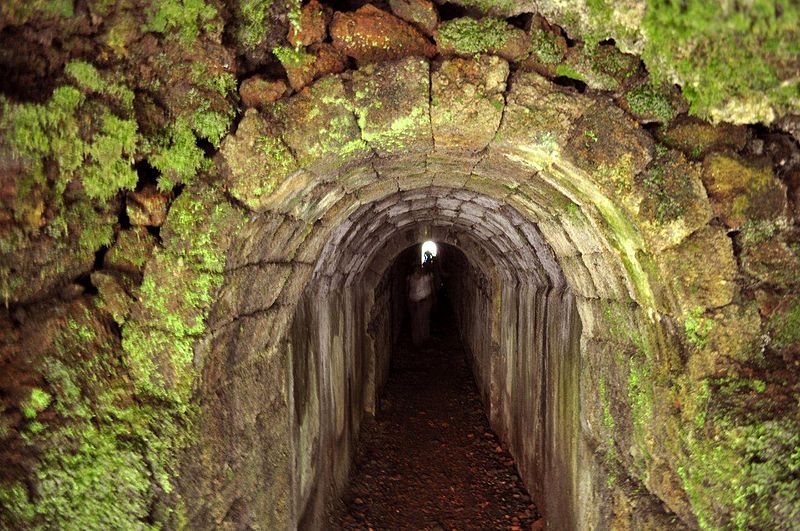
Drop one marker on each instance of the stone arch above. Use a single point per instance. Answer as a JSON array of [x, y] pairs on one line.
[[571, 166]]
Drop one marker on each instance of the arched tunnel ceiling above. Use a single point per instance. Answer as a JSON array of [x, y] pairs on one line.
[[486, 230]]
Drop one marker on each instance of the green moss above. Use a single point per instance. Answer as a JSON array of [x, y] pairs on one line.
[[744, 54], [36, 403], [293, 57], [178, 158], [111, 155], [183, 18], [648, 101], [742, 463], [108, 460], [85, 75], [176, 293], [22, 11], [221, 83], [785, 326], [564, 70], [253, 21], [754, 232], [545, 48], [471, 36], [667, 188]]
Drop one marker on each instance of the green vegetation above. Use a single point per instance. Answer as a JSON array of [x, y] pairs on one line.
[[178, 158], [293, 57], [647, 100], [785, 326], [36, 403], [183, 18], [103, 448], [545, 48], [253, 22], [741, 55], [667, 186], [177, 293], [743, 463], [471, 36], [564, 70]]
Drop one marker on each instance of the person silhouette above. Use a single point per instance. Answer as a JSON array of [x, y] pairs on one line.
[[420, 291]]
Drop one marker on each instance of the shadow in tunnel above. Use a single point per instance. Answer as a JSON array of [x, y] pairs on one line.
[[428, 459]]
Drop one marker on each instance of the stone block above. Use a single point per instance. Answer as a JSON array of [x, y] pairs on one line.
[[391, 101], [467, 102]]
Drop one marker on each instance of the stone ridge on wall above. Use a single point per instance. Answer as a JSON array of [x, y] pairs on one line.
[[117, 226]]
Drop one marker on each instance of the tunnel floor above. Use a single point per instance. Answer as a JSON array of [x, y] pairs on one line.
[[429, 459]]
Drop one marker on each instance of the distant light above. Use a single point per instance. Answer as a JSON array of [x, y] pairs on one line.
[[427, 247]]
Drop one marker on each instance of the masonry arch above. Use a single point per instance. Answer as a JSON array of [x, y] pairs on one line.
[[512, 173]]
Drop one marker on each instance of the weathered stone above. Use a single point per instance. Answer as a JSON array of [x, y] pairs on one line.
[[539, 116], [467, 102], [329, 60], [372, 35], [697, 138], [131, 251], [742, 191], [729, 334], [114, 297], [249, 289], [321, 129], [255, 161], [674, 203], [601, 67], [312, 27], [610, 146], [701, 270], [768, 257], [468, 37], [258, 92], [392, 104], [547, 50], [421, 13], [147, 206]]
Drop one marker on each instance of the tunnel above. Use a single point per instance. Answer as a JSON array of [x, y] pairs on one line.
[[564, 310], [208, 210], [515, 313]]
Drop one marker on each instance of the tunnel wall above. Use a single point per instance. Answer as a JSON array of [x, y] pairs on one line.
[[524, 345], [333, 376]]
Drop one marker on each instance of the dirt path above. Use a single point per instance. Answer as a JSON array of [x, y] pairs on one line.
[[429, 460]]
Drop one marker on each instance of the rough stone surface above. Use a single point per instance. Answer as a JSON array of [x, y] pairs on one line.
[[258, 92], [392, 102], [370, 35], [421, 13], [147, 207], [312, 26], [467, 101], [740, 191], [702, 270]]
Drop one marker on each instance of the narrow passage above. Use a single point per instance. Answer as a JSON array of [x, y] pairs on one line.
[[429, 459]]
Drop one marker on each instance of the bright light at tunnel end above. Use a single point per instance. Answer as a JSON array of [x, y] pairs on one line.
[[427, 247]]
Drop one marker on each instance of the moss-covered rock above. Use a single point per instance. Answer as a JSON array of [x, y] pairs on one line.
[[697, 138], [255, 161], [371, 35], [701, 271], [392, 102], [468, 37], [742, 191], [467, 101], [674, 203], [601, 67]]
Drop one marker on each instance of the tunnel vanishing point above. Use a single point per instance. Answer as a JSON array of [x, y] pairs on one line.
[[202, 204]]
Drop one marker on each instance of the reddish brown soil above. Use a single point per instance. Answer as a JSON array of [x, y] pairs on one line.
[[429, 459]]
